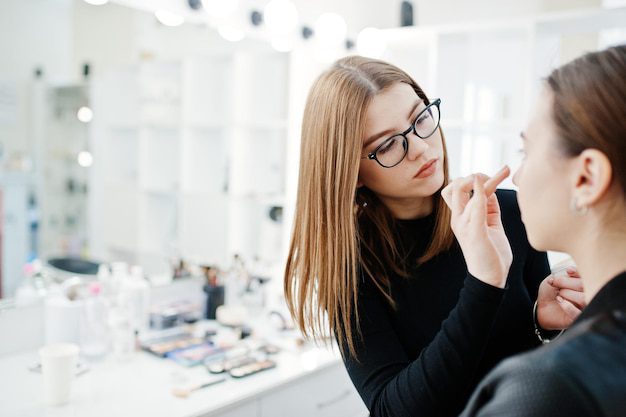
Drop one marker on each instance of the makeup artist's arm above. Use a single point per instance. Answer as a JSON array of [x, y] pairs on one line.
[[536, 270], [438, 382]]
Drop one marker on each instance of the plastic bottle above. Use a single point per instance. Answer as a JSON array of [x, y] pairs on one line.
[[138, 291], [237, 281], [122, 335], [94, 335]]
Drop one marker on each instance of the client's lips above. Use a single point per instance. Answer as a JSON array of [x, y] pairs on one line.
[[427, 169]]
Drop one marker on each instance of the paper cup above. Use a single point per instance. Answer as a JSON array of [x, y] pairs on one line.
[[58, 366]]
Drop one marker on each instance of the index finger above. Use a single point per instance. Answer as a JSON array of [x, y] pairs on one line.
[[492, 183], [563, 282]]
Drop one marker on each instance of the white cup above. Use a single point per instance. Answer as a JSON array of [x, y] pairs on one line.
[[58, 366]]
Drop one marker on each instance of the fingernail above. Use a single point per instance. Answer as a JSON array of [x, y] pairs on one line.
[[550, 280], [559, 299]]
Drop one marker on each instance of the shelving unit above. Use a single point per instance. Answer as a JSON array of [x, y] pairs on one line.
[[191, 165]]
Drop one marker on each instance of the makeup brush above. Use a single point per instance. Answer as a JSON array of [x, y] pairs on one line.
[[185, 392]]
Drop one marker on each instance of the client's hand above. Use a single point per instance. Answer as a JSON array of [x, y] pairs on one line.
[[478, 227], [560, 299]]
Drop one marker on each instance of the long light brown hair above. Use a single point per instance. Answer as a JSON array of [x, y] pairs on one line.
[[341, 234]]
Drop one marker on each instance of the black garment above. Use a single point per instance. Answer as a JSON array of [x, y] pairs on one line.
[[448, 329], [582, 373]]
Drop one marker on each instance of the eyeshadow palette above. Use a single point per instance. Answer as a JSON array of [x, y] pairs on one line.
[[252, 368]]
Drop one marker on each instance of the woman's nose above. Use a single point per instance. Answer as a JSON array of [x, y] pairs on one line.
[[515, 176], [417, 146]]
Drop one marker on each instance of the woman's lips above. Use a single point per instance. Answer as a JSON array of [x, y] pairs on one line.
[[427, 169]]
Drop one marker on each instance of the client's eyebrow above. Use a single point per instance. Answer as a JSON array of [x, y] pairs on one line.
[[389, 131]]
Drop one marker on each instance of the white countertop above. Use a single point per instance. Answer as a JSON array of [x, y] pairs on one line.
[[142, 385]]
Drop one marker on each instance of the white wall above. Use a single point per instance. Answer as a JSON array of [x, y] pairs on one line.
[[430, 12], [35, 33], [104, 36]]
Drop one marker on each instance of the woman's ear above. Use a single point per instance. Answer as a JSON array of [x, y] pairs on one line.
[[593, 174]]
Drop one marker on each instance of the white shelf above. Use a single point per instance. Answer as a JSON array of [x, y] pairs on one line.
[[207, 126], [203, 227], [119, 156], [159, 159], [157, 223], [121, 215], [122, 88], [161, 192], [261, 89], [259, 165], [207, 84], [201, 132], [205, 155]]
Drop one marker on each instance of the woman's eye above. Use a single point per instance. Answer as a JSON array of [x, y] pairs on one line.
[[422, 118], [385, 148]]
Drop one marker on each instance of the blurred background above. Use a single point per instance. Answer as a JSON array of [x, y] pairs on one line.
[[149, 155]]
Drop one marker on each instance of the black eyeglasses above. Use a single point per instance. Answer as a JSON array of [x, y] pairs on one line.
[[393, 150]]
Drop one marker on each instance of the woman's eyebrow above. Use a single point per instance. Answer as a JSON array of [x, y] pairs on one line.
[[389, 131]]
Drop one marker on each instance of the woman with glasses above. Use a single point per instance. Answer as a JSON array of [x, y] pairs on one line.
[[572, 196], [373, 261]]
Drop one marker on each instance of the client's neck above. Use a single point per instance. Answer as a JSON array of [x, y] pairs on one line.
[[599, 258]]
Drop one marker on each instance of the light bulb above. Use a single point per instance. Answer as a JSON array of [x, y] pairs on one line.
[[97, 2], [280, 16], [231, 29], [370, 43], [85, 159], [330, 29], [282, 44], [84, 114], [168, 18]]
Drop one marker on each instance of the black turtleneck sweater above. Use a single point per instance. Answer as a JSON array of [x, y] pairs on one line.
[[448, 329]]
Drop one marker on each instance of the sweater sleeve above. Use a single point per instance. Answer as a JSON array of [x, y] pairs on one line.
[[536, 270], [438, 381]]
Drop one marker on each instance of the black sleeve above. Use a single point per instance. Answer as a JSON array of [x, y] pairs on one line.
[[392, 385], [536, 270], [519, 389]]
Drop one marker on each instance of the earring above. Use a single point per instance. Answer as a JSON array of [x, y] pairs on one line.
[[364, 204], [575, 209]]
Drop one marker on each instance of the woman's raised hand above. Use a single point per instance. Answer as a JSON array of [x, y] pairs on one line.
[[477, 226]]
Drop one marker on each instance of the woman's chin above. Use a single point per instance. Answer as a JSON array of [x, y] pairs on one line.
[[433, 184]]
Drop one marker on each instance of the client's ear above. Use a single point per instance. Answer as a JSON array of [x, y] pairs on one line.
[[593, 174]]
